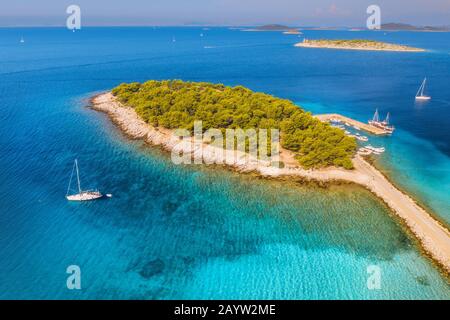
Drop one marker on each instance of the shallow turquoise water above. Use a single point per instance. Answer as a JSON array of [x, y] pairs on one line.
[[192, 232], [413, 163]]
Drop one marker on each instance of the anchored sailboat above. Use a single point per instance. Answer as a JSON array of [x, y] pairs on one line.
[[81, 195], [384, 125], [419, 94]]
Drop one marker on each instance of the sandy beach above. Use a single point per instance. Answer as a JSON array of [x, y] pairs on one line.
[[432, 235]]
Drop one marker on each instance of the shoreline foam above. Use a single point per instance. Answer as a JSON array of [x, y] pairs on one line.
[[432, 235]]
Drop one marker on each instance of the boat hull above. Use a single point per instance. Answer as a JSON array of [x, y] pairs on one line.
[[85, 196], [380, 125], [423, 98]]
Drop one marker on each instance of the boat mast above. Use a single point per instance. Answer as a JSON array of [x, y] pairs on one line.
[[78, 176], [376, 118], [387, 119], [423, 86]]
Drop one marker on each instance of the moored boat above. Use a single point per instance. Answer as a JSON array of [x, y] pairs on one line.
[[375, 150], [384, 125], [82, 195]]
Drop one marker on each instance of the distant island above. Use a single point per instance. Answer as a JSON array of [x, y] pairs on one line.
[[275, 27], [408, 27], [311, 149], [356, 44]]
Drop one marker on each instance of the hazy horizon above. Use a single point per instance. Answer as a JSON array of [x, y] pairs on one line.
[[326, 13]]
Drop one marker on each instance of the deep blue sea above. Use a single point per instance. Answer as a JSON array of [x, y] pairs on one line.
[[192, 232]]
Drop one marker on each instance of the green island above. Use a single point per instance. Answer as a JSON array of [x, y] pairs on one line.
[[174, 104], [356, 44]]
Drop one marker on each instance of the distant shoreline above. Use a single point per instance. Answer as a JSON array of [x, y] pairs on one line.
[[356, 45], [432, 235]]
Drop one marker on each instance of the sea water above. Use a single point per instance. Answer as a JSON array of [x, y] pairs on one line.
[[196, 232]]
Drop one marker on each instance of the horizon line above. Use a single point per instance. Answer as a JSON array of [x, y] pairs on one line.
[[211, 25]]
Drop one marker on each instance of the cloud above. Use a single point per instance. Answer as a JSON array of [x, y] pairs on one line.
[[331, 10]]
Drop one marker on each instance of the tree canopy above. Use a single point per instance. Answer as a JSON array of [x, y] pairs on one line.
[[177, 104]]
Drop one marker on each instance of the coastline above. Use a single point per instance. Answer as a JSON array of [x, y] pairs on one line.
[[308, 45], [433, 236]]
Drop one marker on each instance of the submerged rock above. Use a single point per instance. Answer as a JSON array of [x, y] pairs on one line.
[[152, 268]]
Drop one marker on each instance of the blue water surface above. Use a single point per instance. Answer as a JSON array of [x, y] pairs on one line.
[[203, 233]]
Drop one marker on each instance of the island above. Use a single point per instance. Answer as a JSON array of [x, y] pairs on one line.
[[311, 149], [407, 27], [356, 44], [275, 27]]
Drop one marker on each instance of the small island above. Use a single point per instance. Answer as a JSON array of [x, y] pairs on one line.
[[275, 27], [408, 27], [356, 44]]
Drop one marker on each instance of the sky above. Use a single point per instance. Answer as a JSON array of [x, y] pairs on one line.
[[350, 13]]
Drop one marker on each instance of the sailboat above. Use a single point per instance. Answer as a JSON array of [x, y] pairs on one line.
[[419, 94], [376, 118], [81, 195], [384, 125]]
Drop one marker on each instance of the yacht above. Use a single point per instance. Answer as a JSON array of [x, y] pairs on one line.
[[81, 195], [420, 95]]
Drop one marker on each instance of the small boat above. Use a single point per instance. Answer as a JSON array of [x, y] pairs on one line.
[[375, 150], [362, 138], [22, 40], [86, 195], [419, 94], [364, 151], [335, 121], [356, 128]]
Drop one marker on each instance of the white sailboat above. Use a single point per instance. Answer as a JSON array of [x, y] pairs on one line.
[[384, 125], [419, 94], [375, 150], [86, 195]]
